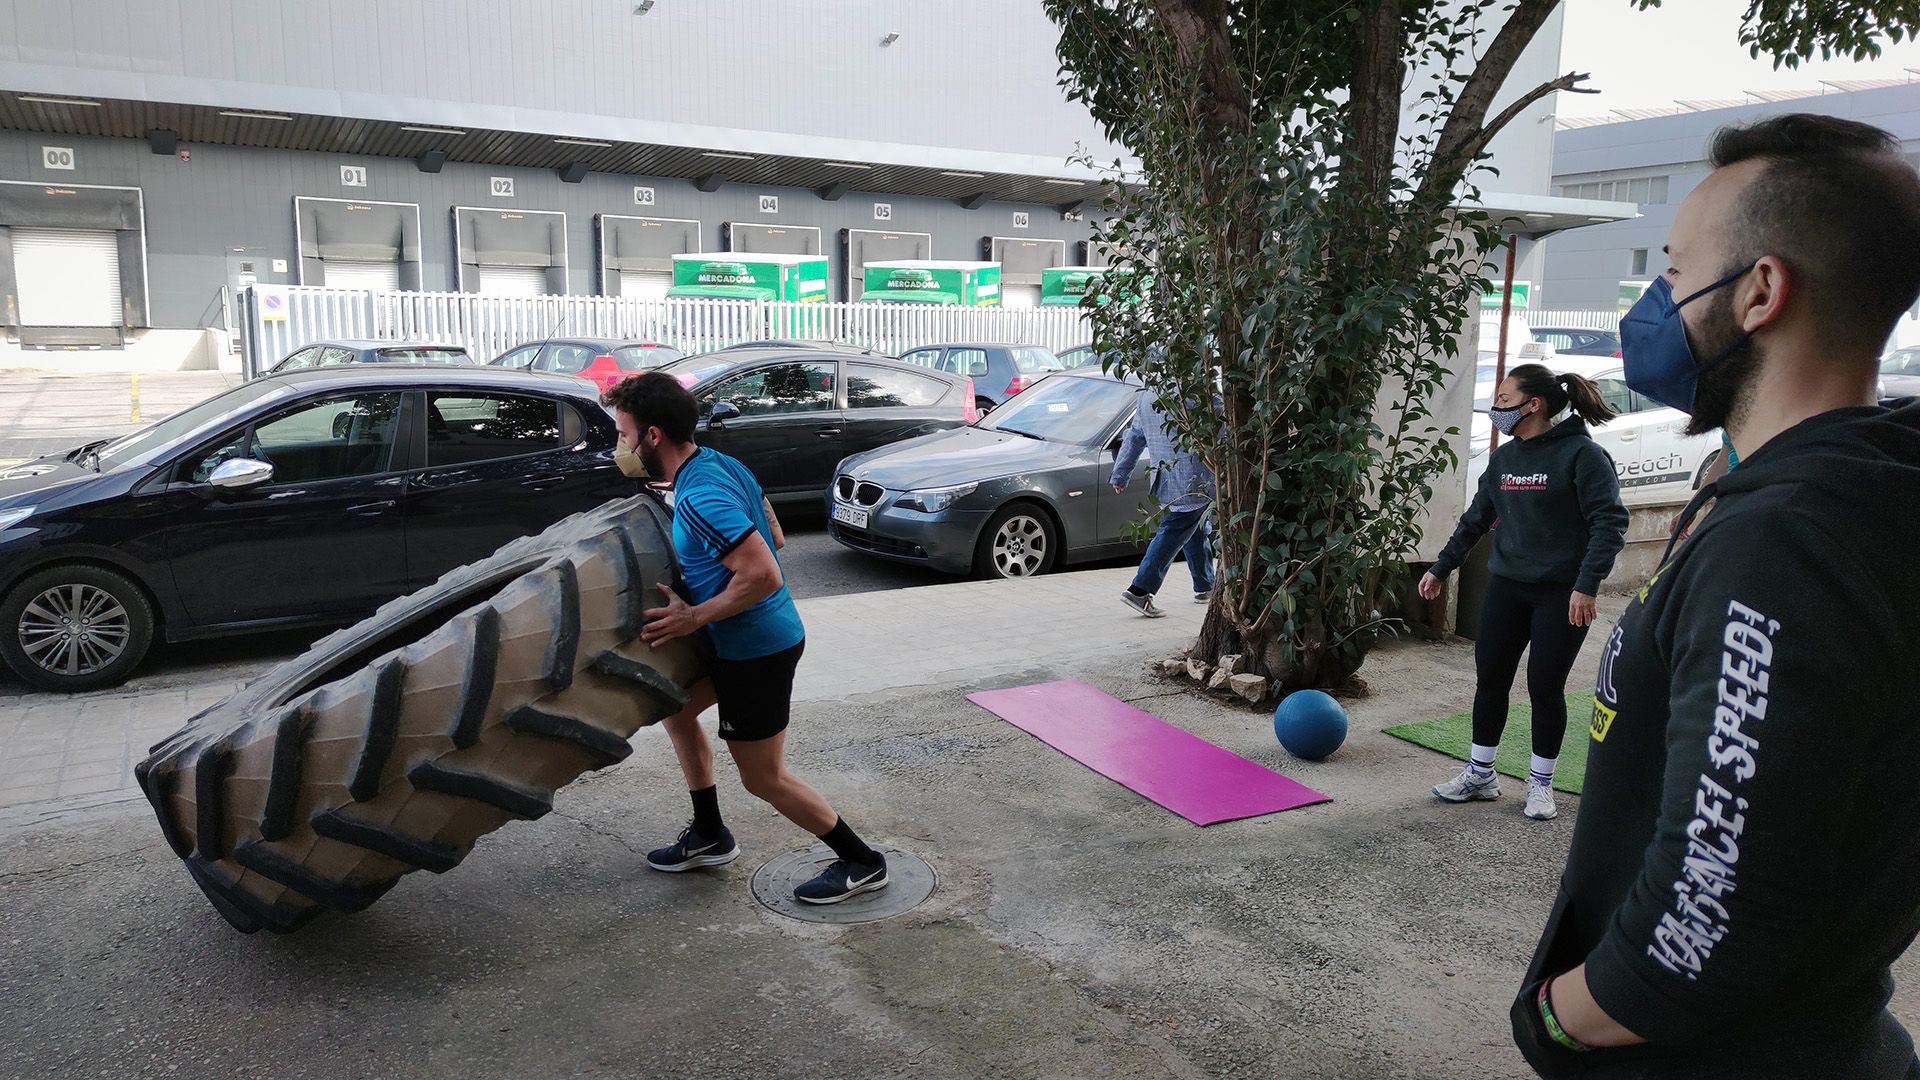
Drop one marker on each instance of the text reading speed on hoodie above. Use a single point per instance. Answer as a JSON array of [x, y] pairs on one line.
[[1745, 868]]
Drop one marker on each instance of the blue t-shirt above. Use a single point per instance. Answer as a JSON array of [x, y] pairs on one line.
[[717, 505]]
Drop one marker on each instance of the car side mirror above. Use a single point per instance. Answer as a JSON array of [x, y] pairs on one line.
[[239, 474], [723, 411]]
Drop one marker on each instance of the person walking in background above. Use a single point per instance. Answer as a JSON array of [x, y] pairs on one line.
[[1554, 496], [1183, 486]]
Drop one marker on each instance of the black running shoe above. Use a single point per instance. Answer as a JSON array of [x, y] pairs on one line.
[[693, 851], [842, 881]]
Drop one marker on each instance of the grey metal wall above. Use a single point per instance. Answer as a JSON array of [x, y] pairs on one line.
[[976, 77], [225, 198], [1584, 268]]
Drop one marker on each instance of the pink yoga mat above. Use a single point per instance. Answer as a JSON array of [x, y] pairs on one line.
[[1182, 772]]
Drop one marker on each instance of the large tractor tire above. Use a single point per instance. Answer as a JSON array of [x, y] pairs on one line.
[[392, 746]]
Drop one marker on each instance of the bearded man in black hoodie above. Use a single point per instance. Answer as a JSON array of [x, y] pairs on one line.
[[1746, 865]]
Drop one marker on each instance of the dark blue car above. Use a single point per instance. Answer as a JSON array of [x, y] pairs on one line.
[[302, 499]]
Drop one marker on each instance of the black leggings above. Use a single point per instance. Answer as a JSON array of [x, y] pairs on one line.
[[1516, 614]]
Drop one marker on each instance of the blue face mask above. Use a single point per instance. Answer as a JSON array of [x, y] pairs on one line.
[[1653, 344]]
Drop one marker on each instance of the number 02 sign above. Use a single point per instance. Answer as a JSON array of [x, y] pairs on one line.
[[503, 187]]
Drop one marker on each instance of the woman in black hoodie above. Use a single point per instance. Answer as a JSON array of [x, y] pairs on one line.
[[1553, 500]]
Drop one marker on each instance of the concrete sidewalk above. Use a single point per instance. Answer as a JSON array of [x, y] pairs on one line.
[[54, 746], [47, 412], [1077, 930]]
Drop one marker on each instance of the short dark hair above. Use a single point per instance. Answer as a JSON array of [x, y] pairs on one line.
[[656, 399], [1840, 208]]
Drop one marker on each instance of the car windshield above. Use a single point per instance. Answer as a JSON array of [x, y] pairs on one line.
[[1030, 360], [693, 369], [1904, 362], [427, 354], [1066, 409], [209, 412], [642, 357]]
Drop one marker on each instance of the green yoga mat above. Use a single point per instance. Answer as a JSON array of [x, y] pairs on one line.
[[1453, 736]]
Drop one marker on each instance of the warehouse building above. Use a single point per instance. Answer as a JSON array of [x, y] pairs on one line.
[[152, 155], [1654, 157]]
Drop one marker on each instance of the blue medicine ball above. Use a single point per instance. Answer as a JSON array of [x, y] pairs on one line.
[[1310, 724]]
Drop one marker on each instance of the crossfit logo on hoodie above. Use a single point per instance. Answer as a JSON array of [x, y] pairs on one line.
[[1530, 482], [1683, 942]]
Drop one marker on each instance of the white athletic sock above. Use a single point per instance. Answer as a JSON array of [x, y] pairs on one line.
[[1483, 759], [1540, 771]]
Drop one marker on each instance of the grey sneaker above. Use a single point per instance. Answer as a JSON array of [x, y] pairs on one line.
[[1203, 597], [1468, 787], [1540, 802], [1142, 604]]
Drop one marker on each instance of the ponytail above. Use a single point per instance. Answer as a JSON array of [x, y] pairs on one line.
[[1563, 391], [1585, 399]]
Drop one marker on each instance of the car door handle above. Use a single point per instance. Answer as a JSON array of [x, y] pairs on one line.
[[827, 432], [541, 483], [372, 509], [1629, 436]]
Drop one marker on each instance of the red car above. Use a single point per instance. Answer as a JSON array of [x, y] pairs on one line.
[[599, 361]]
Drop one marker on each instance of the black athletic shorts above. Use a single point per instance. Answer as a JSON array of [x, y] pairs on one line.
[[756, 696]]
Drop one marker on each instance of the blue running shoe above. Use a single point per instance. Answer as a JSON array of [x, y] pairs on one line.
[[842, 881], [693, 851]]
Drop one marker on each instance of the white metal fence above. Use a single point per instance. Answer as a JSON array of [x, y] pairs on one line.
[[279, 319], [1584, 320]]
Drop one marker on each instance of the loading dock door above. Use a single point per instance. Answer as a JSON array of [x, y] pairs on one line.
[[362, 274], [513, 281], [645, 284], [1021, 261], [67, 277]]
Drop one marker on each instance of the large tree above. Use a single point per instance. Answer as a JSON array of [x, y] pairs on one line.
[[1295, 223]]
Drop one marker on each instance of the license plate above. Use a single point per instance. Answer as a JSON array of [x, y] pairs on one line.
[[850, 515]]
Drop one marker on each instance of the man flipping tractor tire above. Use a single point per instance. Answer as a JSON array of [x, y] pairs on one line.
[[725, 536], [392, 746]]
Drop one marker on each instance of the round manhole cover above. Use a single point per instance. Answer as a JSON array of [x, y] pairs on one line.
[[909, 882]]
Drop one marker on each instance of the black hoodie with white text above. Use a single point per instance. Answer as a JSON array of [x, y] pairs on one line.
[[1746, 864]]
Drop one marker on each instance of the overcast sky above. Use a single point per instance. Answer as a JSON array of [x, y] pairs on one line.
[[1686, 49]]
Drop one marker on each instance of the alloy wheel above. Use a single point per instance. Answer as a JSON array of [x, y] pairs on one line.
[[1020, 547], [74, 629]]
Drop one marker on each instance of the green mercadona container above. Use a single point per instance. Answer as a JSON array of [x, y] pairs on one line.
[[965, 284], [1068, 284], [737, 275]]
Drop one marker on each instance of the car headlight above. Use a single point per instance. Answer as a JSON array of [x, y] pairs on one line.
[[934, 500], [10, 518]]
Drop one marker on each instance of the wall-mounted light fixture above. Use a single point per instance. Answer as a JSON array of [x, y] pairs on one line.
[[890, 39]]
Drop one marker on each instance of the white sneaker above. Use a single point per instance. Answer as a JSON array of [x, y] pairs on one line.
[[1540, 802], [1469, 786], [1142, 604]]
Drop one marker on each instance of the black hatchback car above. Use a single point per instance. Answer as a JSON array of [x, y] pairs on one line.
[[790, 415], [302, 499]]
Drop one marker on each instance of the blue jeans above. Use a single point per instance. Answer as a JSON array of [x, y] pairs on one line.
[[1179, 530]]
